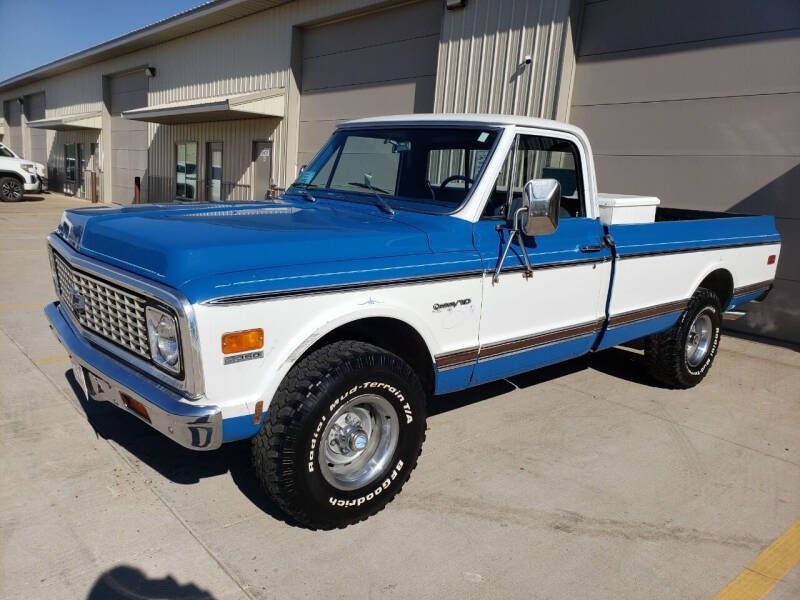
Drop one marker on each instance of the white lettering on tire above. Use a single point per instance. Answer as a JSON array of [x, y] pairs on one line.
[[371, 495]]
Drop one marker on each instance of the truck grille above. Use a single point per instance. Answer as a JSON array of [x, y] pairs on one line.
[[109, 311]]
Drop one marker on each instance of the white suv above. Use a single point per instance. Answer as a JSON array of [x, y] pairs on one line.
[[19, 176]]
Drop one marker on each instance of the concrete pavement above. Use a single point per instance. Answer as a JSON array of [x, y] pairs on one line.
[[582, 480]]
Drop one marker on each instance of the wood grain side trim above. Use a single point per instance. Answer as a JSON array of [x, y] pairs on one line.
[[646, 313]]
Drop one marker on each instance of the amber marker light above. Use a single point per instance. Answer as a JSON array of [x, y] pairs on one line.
[[136, 406], [242, 341]]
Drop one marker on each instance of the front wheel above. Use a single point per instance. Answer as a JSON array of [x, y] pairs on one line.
[[342, 435], [11, 189], [681, 356]]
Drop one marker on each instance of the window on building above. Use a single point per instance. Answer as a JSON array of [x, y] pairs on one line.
[[186, 171], [70, 162]]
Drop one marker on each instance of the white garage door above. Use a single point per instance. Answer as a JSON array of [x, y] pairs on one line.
[[128, 138], [377, 64]]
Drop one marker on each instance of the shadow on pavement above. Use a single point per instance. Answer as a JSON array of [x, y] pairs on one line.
[[172, 461], [128, 582], [27, 198], [183, 466]]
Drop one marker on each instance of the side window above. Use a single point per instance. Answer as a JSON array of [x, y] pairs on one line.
[[539, 158]]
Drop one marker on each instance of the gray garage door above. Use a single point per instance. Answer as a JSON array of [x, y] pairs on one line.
[[128, 138], [34, 108], [703, 112], [377, 64], [13, 115]]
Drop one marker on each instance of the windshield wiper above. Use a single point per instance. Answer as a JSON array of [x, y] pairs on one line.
[[303, 191], [382, 204]]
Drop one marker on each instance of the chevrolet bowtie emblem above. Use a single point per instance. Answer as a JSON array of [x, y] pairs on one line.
[[77, 302]]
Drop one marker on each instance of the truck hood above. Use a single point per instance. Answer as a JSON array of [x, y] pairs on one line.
[[177, 243]]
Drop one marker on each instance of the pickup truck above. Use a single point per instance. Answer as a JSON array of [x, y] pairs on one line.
[[19, 176], [414, 256]]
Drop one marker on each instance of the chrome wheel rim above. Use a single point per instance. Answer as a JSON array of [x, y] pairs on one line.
[[698, 340], [358, 442], [12, 191]]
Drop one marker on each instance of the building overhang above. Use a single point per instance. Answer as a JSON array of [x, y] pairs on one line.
[[92, 120], [257, 105]]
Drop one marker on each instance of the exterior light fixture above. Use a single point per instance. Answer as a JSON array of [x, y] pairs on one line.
[[454, 4], [150, 71]]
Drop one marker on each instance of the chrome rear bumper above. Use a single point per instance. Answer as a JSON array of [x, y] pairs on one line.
[[191, 425]]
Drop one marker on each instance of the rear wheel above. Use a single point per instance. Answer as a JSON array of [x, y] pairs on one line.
[[342, 435], [11, 189], [681, 356]]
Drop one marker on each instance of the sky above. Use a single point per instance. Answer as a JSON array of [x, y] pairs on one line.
[[36, 32]]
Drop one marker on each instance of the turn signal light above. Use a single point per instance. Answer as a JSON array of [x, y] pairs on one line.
[[136, 406], [242, 341], [771, 259]]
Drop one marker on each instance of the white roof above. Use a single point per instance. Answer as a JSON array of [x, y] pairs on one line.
[[477, 118]]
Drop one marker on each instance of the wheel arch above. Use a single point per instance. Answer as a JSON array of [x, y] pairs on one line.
[[719, 281], [16, 176], [390, 333]]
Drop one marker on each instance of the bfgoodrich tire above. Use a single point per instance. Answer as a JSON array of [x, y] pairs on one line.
[[342, 435], [11, 189], [682, 356]]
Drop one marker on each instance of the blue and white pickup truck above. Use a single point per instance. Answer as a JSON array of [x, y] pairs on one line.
[[415, 256]]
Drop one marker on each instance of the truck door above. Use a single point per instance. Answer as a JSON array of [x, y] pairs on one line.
[[557, 312]]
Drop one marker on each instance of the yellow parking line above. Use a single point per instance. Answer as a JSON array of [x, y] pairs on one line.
[[21, 306], [49, 359], [767, 569]]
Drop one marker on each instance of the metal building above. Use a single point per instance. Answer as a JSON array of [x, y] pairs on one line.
[[695, 101]]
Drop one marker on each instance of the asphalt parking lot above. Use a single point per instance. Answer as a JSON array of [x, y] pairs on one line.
[[583, 480]]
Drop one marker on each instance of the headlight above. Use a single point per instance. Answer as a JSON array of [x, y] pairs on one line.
[[162, 332], [28, 167]]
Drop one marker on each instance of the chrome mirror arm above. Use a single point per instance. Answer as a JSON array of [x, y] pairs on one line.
[[512, 232]]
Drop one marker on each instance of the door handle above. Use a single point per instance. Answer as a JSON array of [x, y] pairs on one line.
[[592, 248]]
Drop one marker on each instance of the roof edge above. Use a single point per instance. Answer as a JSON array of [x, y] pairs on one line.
[[123, 44]]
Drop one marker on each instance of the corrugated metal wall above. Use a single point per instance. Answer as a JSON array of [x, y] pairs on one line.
[[237, 139], [481, 58], [704, 113], [250, 54]]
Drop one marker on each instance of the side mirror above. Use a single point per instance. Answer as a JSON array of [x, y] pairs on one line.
[[542, 198]]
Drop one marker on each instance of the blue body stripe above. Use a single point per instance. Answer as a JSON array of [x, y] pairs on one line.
[[676, 236], [739, 300], [633, 331], [239, 428], [505, 366], [453, 380]]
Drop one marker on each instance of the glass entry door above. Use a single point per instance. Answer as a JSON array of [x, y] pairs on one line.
[[214, 171], [262, 169]]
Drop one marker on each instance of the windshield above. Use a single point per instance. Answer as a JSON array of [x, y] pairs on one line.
[[6, 153], [431, 169]]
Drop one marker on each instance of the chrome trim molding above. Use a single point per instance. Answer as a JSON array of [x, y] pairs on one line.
[[192, 385], [461, 358], [623, 256], [414, 280], [753, 287]]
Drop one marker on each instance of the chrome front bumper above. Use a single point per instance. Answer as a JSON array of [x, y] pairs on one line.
[[190, 425]]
